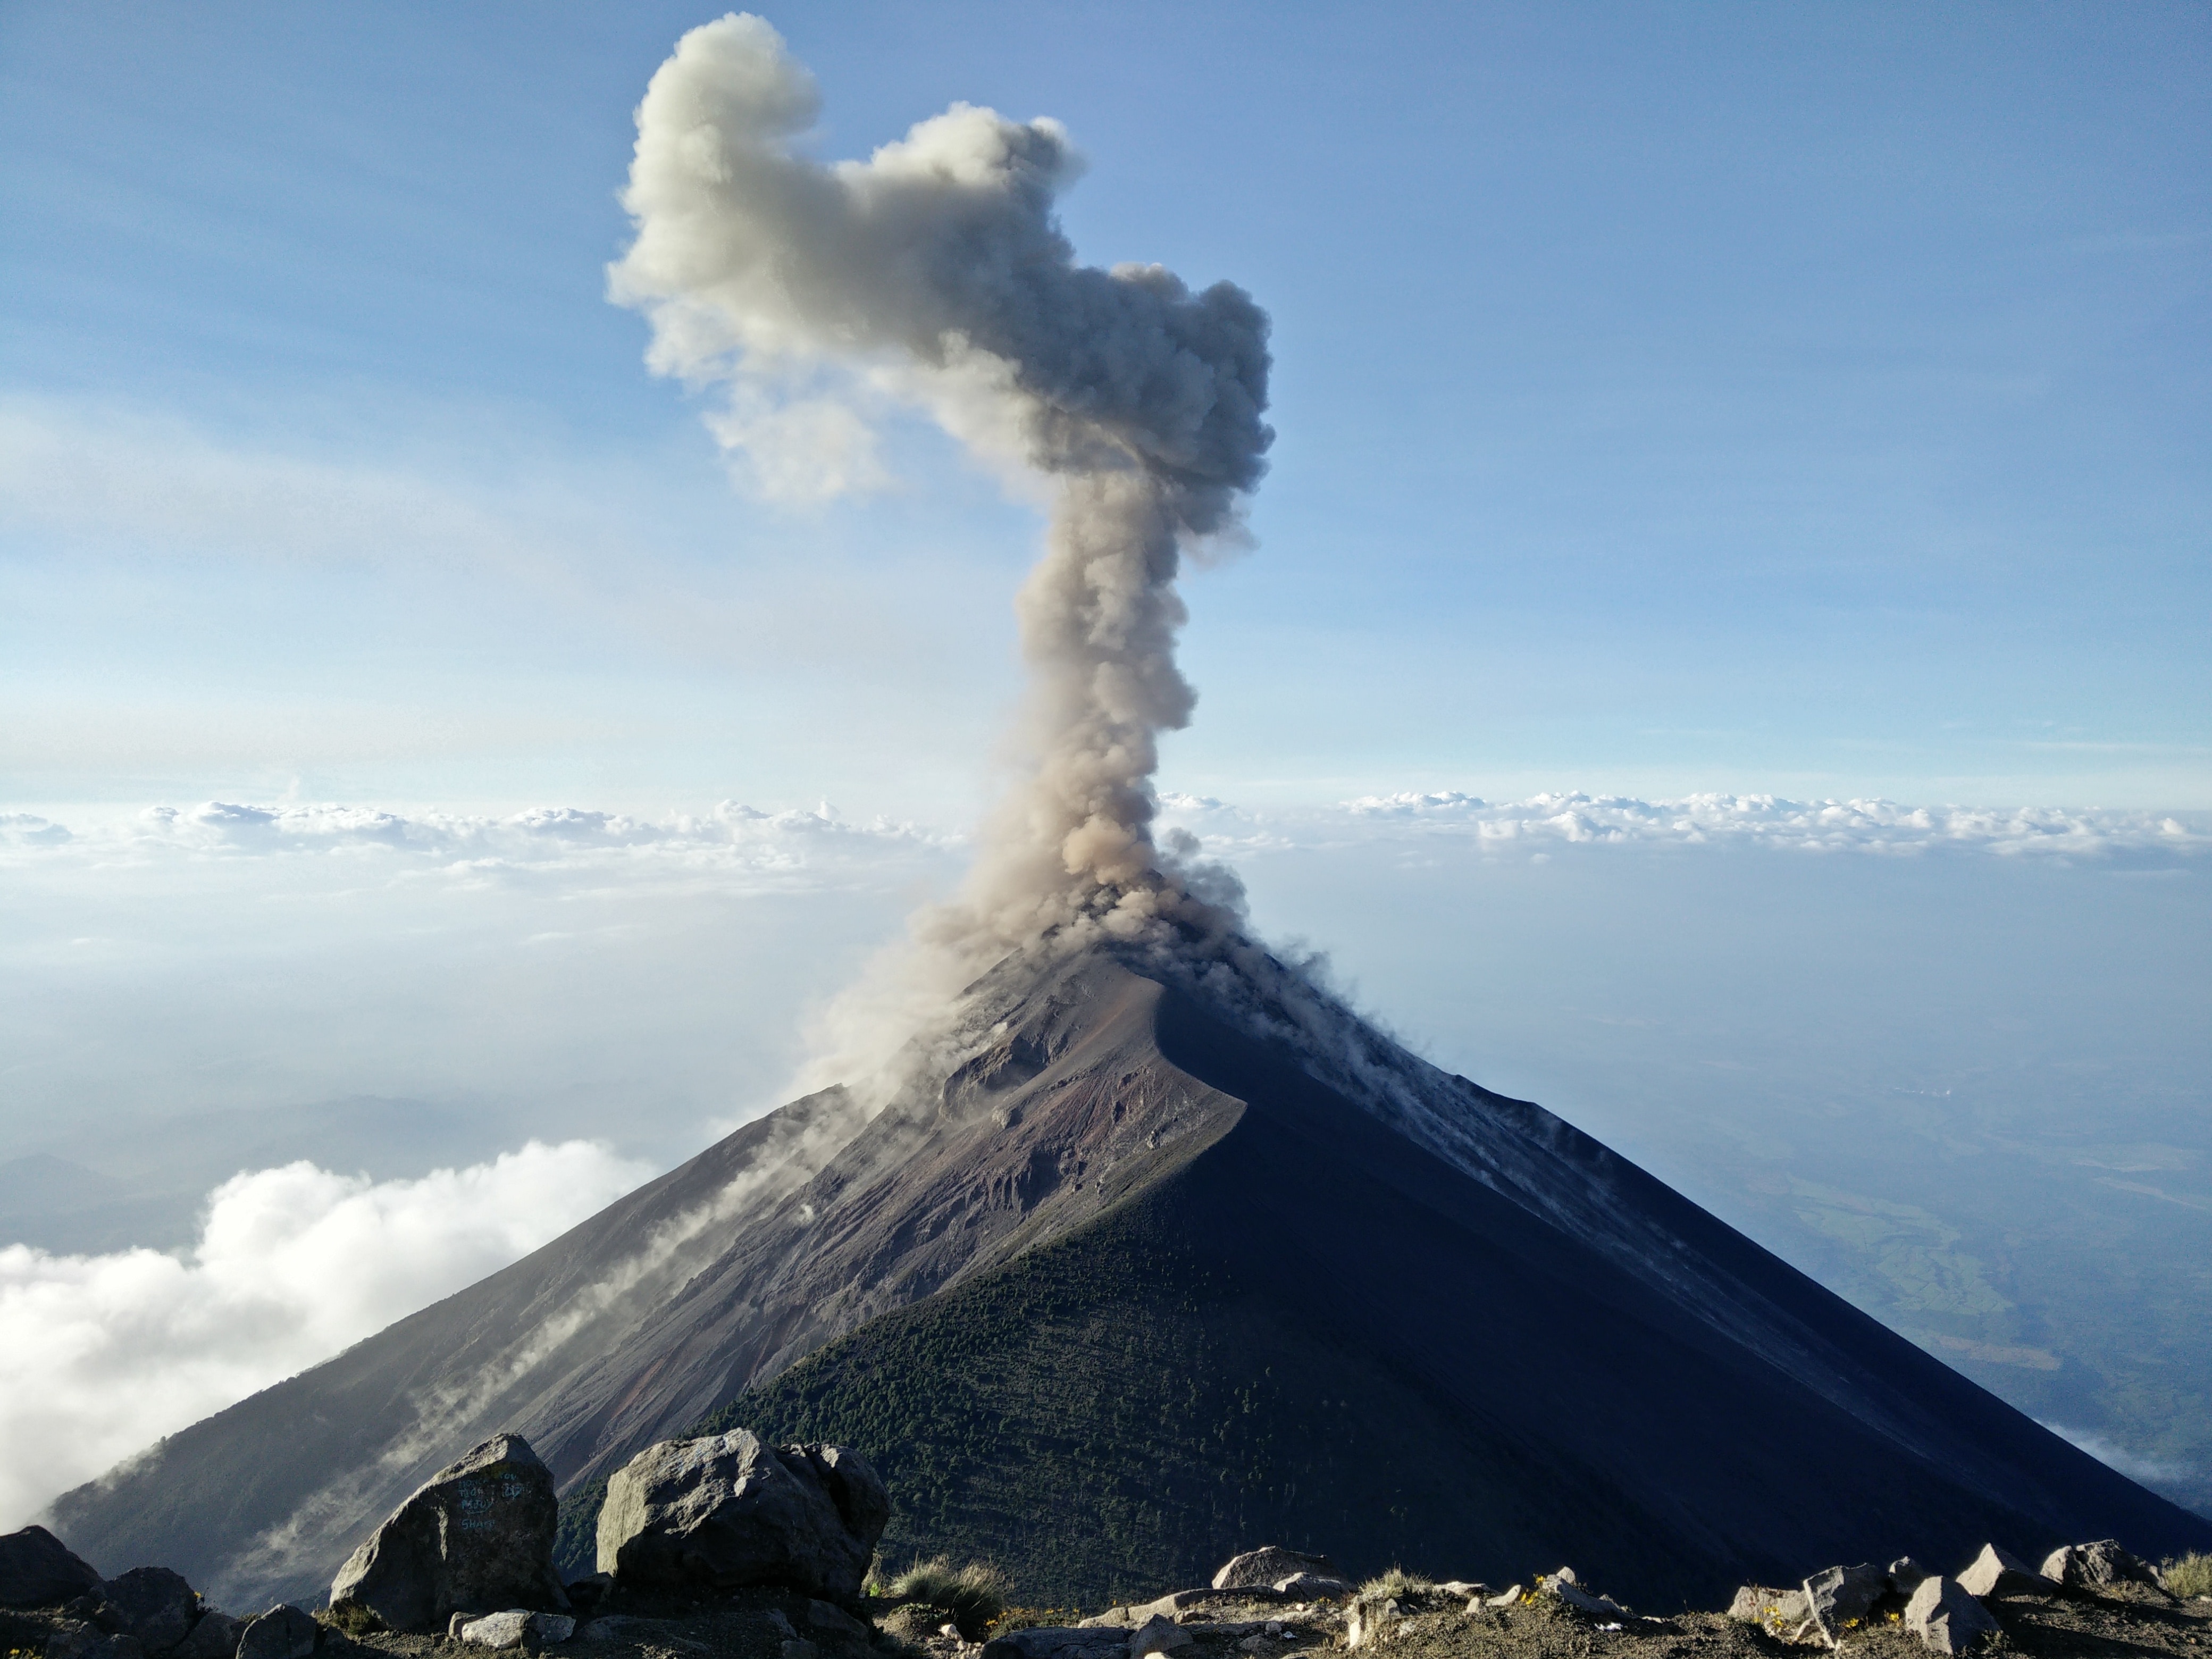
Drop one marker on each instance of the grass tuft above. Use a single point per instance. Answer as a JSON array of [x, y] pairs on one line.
[[1396, 1582], [974, 1594], [2190, 1576]]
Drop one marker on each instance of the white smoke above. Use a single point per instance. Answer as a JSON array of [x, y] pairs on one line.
[[935, 274], [102, 1355]]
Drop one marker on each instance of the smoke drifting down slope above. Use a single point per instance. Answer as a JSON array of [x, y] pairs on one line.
[[935, 273]]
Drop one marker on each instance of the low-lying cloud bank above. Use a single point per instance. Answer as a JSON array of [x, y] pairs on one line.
[[791, 841], [102, 1355], [731, 834], [1545, 823]]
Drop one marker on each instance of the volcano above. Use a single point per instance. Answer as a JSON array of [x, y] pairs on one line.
[[1151, 1262]]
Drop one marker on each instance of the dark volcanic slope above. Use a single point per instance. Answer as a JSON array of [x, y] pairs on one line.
[[1134, 1290]]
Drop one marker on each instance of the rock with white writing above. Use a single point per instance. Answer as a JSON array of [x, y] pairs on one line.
[[476, 1537]]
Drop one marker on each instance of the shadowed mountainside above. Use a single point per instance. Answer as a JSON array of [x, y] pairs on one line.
[[1129, 1286]]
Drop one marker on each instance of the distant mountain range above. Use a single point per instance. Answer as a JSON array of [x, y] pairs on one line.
[[1155, 1261]]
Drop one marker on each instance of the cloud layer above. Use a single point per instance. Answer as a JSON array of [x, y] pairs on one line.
[[1545, 824], [102, 1355]]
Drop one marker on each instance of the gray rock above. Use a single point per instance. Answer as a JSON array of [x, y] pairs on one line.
[[1158, 1634], [478, 1534], [1267, 1567], [721, 1513], [1998, 1571], [153, 1605], [1566, 1588], [1059, 1641], [1312, 1586], [283, 1632], [495, 1629], [1509, 1597], [510, 1628], [1369, 1622], [214, 1637], [1838, 1598], [1780, 1612], [822, 1619], [37, 1569], [1905, 1575], [917, 1621], [72, 1640], [1946, 1617], [799, 1647], [2099, 1566]]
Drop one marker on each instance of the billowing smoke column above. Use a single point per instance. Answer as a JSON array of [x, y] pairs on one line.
[[935, 273]]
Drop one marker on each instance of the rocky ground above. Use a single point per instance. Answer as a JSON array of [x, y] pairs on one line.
[[767, 1624]]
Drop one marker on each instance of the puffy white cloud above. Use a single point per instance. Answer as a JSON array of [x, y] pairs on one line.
[[102, 1355]]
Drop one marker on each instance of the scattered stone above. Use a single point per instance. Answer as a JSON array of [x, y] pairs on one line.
[[1158, 1634], [1838, 1598], [2097, 1566], [1312, 1586], [152, 1605], [214, 1636], [835, 1621], [587, 1593], [1372, 1621], [1509, 1597], [37, 1569], [1998, 1571], [1058, 1642], [495, 1629], [1905, 1575], [1564, 1587], [81, 1641], [1267, 1567], [478, 1534], [283, 1632], [728, 1511], [1945, 1616], [1779, 1611], [917, 1620], [513, 1626]]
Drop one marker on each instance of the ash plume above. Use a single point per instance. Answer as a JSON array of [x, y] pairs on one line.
[[935, 274]]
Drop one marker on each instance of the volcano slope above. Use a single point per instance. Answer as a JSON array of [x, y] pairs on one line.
[[1148, 1265]]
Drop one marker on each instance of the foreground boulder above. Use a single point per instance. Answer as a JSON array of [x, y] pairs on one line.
[[1945, 1616], [37, 1569], [477, 1536], [283, 1632], [2102, 1565], [727, 1511], [153, 1606]]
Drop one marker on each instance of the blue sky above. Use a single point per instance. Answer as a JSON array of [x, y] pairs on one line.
[[1712, 397], [1782, 398]]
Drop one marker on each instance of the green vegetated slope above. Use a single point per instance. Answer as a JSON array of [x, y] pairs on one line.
[[1120, 1411]]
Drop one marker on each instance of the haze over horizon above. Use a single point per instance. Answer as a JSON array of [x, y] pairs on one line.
[[1694, 410]]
